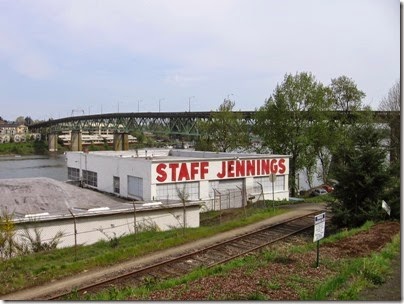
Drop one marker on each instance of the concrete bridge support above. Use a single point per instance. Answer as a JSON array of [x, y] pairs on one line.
[[76, 141], [53, 142], [121, 142]]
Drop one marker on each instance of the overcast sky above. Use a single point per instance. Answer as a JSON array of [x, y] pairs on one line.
[[100, 56]]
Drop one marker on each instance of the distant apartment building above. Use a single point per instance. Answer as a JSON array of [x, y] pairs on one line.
[[13, 129], [16, 133]]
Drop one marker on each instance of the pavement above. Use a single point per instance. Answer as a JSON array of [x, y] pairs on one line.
[[93, 276]]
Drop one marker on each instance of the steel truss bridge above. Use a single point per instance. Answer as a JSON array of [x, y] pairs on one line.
[[170, 123]]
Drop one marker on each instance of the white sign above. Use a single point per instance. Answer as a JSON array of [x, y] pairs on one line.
[[170, 172], [319, 227], [386, 207], [272, 177]]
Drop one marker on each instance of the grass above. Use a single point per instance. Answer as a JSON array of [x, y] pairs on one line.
[[24, 148], [327, 198], [352, 275], [39, 268]]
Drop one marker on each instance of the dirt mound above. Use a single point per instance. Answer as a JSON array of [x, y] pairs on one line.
[[365, 242]]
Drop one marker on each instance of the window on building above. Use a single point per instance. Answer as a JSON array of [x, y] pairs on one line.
[[90, 178], [135, 186], [280, 183], [169, 191], [116, 183], [267, 184], [73, 174]]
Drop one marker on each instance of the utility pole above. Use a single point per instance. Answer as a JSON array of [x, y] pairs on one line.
[[189, 103], [160, 103]]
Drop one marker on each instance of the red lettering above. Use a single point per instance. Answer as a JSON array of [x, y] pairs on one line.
[[282, 167], [223, 173], [204, 169], [230, 168], [194, 170], [258, 166], [173, 168], [161, 172], [265, 167], [183, 172], [250, 168], [274, 166], [240, 168]]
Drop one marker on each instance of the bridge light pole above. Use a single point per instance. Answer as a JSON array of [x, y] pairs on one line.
[[138, 105], [160, 103], [189, 103]]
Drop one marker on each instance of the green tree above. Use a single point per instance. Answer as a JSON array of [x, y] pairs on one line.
[[286, 122], [20, 120], [346, 95], [28, 121], [225, 131], [392, 102], [346, 98], [392, 194], [362, 176]]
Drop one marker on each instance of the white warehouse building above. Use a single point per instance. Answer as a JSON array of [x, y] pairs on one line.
[[157, 175]]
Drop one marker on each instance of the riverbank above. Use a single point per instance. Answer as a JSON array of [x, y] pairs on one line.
[[24, 148]]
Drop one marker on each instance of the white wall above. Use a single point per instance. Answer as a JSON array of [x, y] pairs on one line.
[[108, 166], [88, 228]]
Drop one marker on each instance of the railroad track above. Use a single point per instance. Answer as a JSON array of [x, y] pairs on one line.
[[207, 257]]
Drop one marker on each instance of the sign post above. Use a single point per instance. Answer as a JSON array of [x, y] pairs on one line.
[[272, 178], [319, 228]]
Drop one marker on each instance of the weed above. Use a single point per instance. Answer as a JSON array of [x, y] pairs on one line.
[[283, 260], [8, 246], [274, 285], [35, 243], [112, 293], [256, 296], [113, 240], [372, 272], [149, 282]]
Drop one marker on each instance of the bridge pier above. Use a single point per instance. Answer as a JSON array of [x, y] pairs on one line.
[[121, 142], [53, 142], [76, 141]]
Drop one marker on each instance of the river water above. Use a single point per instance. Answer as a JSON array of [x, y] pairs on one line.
[[33, 166]]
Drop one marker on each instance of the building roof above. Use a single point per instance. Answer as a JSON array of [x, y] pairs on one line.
[[45, 199], [12, 125], [178, 154]]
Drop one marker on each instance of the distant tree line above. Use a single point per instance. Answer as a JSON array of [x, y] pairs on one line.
[[20, 120]]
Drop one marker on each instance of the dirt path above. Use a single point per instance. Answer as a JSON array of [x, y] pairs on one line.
[[93, 276]]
